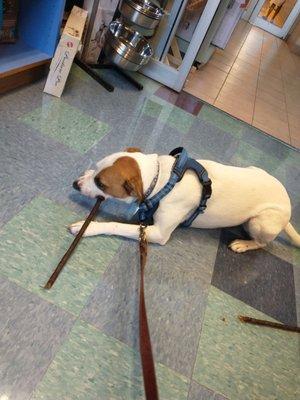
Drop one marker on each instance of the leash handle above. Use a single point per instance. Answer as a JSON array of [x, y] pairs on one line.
[[270, 324], [73, 245], [150, 385]]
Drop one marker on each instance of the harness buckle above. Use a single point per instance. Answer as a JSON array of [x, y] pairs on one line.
[[207, 191], [206, 182], [147, 204], [202, 208]]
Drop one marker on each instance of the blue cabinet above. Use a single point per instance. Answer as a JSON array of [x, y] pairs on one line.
[[39, 24]]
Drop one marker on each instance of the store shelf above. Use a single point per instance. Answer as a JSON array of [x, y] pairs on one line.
[[39, 23], [19, 56]]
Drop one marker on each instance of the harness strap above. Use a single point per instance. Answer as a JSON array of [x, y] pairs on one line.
[[206, 189], [182, 163], [149, 206]]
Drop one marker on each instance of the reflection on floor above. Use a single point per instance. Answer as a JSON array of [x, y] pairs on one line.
[[256, 79], [79, 341]]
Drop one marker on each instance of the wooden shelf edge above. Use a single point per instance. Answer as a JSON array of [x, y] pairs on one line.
[[24, 68], [23, 76]]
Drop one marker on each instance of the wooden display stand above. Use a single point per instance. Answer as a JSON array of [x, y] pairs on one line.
[[39, 23]]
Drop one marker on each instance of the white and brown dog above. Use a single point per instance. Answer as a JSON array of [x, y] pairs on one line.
[[247, 196]]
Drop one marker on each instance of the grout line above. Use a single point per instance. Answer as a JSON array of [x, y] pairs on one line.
[[260, 59], [242, 45], [198, 347], [199, 338], [77, 318], [284, 89], [283, 84]]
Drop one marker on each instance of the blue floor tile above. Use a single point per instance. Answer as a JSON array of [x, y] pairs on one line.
[[177, 280], [31, 331], [257, 278], [199, 392]]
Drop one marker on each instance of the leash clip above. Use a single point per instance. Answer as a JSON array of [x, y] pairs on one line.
[[142, 236]]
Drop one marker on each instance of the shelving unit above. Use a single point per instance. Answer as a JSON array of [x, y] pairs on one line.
[[38, 29]]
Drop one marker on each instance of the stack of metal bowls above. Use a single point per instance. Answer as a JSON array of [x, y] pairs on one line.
[[125, 47], [143, 13]]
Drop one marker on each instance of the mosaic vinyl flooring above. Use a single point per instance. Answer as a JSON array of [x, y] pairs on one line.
[[79, 341]]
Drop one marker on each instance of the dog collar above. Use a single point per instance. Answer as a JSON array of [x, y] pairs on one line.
[[153, 183]]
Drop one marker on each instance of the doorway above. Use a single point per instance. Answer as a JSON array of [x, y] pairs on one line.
[[275, 16], [256, 79]]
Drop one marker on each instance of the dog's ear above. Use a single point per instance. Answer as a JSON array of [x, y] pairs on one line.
[[133, 150], [123, 178], [133, 183], [134, 187]]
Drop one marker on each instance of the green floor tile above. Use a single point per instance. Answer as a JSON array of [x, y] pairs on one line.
[[92, 366], [67, 124], [245, 362], [33, 242], [169, 114], [221, 120], [247, 155], [78, 73]]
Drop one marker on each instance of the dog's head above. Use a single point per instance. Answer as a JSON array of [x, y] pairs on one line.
[[117, 175]]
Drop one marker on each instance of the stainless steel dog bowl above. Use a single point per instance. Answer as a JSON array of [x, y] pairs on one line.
[[125, 47], [144, 13]]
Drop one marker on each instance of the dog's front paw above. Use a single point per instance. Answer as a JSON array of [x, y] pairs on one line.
[[75, 228]]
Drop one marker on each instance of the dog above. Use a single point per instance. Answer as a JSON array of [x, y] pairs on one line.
[[248, 196]]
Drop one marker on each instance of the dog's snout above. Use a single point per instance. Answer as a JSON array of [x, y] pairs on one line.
[[76, 186]]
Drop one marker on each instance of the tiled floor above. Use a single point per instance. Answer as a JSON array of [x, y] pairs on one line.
[[79, 341], [256, 79]]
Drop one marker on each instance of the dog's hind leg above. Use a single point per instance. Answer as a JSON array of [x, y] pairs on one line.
[[262, 229], [240, 245]]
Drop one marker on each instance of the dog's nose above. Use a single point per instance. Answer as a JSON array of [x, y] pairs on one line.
[[76, 186]]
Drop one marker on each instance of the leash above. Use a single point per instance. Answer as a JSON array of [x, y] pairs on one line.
[[145, 211], [270, 324], [148, 368], [74, 244]]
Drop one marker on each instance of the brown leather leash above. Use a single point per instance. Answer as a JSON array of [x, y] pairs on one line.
[[74, 244], [148, 367], [150, 385]]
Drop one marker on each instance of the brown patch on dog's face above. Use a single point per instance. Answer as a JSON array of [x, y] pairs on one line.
[[122, 179], [133, 150]]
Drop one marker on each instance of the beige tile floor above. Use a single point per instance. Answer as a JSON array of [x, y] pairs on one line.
[[256, 79]]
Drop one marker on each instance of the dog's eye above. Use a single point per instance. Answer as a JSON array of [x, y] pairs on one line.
[[99, 184]]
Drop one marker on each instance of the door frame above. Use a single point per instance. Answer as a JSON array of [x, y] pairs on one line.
[[250, 8], [273, 29], [175, 78]]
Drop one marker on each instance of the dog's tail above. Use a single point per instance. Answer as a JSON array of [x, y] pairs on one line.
[[292, 234]]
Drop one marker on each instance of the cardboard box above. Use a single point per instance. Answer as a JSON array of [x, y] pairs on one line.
[[66, 50]]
